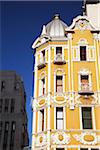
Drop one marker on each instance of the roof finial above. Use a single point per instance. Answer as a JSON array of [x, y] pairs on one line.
[[56, 16], [43, 30]]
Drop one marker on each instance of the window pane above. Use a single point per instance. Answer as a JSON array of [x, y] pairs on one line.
[[84, 149], [59, 124], [59, 117], [87, 118], [83, 53], [58, 50], [59, 148], [59, 114], [59, 89], [87, 124], [94, 149], [87, 112]]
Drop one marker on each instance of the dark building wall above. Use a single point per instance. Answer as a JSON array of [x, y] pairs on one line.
[[13, 118]]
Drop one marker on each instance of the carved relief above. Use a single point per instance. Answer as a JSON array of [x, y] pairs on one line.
[[87, 138], [60, 138]]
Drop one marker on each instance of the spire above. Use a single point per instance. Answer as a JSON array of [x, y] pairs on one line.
[[43, 30]]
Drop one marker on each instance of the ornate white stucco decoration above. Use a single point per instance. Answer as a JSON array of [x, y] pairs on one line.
[[81, 23], [60, 138], [87, 138], [41, 140]]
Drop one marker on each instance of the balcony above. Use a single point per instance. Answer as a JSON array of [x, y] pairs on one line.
[[41, 63], [85, 89], [59, 60]]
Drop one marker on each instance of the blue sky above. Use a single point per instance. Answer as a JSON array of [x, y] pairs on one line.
[[20, 24]]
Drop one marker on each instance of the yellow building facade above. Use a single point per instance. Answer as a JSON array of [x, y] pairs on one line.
[[66, 105]]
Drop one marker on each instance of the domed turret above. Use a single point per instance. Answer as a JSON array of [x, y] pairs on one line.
[[56, 28]]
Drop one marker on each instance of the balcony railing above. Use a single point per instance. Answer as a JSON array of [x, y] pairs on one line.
[[41, 63], [59, 60], [86, 89]]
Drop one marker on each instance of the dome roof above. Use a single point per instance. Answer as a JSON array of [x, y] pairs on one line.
[[56, 28]]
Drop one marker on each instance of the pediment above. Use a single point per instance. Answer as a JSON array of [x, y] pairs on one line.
[[81, 23]]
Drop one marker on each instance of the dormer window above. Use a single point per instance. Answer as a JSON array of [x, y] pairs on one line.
[[83, 53]]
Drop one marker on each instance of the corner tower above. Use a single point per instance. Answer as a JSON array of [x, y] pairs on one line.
[[66, 101]]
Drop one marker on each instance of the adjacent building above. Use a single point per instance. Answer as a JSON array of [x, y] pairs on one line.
[[13, 118], [66, 103]]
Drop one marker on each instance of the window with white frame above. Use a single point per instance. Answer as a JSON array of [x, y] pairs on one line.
[[84, 82], [42, 86], [58, 50], [42, 56], [41, 120], [59, 148], [87, 118], [83, 55], [59, 118], [59, 83], [59, 53], [89, 149]]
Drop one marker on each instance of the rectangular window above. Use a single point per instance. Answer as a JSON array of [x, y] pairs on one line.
[[87, 117], [42, 56], [94, 149], [41, 120], [83, 53], [1, 104], [59, 148], [13, 127], [85, 82], [84, 149], [0, 130], [58, 50], [5, 135], [43, 86], [59, 117], [59, 83], [6, 105], [12, 105], [2, 85]]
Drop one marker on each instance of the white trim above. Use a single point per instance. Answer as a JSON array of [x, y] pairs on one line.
[[64, 112], [79, 18], [93, 118], [38, 129], [33, 130], [63, 81], [45, 119], [49, 99], [35, 94], [80, 111], [84, 72], [54, 118], [68, 66], [63, 49], [96, 67]]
